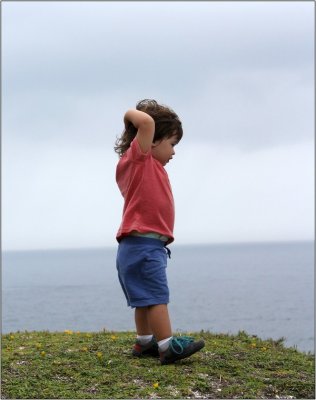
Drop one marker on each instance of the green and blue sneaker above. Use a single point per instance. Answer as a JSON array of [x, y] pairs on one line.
[[179, 348]]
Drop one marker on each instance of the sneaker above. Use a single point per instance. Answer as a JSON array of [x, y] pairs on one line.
[[149, 349], [179, 348]]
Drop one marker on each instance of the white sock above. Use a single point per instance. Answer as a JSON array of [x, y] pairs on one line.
[[144, 339], [164, 344]]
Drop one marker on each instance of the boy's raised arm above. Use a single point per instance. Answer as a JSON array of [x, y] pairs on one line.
[[145, 126]]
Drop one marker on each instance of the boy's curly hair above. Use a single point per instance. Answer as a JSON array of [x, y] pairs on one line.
[[167, 124]]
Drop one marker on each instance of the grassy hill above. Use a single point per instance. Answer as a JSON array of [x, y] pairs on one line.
[[73, 365]]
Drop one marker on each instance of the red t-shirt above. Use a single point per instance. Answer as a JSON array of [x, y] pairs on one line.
[[148, 200]]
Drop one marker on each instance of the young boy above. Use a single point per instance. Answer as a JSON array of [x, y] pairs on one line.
[[145, 147]]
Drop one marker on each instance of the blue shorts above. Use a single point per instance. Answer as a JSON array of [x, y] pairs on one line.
[[141, 264]]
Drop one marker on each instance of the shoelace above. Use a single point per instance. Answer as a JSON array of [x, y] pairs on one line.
[[181, 342]]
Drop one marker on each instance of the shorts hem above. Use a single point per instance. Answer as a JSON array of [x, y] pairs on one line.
[[149, 302]]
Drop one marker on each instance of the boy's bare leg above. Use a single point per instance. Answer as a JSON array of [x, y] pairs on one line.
[[141, 321], [159, 321]]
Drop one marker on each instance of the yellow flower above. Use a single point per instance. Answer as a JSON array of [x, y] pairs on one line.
[[99, 354], [253, 345], [43, 354], [68, 332], [11, 337], [38, 345], [264, 348], [84, 349], [113, 337], [156, 385]]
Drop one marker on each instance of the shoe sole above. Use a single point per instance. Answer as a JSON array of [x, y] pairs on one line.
[[146, 353]]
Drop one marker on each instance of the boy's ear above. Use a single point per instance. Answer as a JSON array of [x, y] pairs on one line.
[[156, 142]]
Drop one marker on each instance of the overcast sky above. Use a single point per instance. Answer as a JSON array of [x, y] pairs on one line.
[[240, 75]]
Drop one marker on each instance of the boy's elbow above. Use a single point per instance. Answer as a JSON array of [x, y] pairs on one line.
[[144, 118], [147, 122], [139, 119]]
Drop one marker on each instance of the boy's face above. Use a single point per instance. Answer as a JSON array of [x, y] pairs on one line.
[[163, 150]]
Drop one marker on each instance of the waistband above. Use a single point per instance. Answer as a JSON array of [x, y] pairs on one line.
[[138, 239], [152, 235]]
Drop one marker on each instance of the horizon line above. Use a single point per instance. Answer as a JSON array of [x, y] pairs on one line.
[[112, 247]]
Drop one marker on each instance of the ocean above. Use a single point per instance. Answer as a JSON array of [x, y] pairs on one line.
[[265, 289]]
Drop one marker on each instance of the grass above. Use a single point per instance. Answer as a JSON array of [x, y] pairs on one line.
[[75, 365]]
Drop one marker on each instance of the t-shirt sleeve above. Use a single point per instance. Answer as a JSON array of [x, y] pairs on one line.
[[134, 153]]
